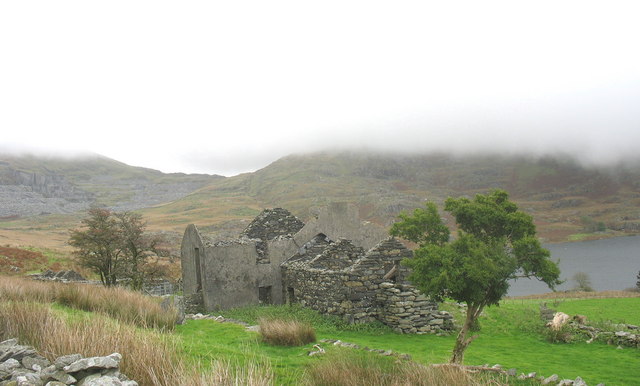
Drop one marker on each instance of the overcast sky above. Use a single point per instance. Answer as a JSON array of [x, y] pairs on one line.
[[227, 87]]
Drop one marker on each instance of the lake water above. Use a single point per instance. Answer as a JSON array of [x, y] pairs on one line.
[[612, 264]]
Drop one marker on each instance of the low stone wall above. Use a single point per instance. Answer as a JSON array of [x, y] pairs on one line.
[[22, 365], [620, 337], [193, 303], [406, 310], [400, 306]]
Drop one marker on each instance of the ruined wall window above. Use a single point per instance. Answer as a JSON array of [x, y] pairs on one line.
[[264, 295], [196, 253], [291, 296], [392, 274], [263, 252]]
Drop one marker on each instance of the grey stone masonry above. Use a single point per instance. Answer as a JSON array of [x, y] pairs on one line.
[[408, 311], [335, 264], [363, 288], [21, 365], [272, 223]]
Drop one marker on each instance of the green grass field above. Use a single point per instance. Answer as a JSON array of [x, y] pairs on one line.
[[509, 336], [49, 316]]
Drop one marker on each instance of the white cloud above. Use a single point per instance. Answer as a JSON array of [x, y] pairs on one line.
[[226, 87]]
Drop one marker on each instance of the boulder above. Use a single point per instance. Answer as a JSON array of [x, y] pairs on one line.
[[66, 360], [105, 380], [551, 379], [108, 362], [559, 320], [36, 363]]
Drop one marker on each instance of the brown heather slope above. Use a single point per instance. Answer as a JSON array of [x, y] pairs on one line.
[[564, 197], [567, 200]]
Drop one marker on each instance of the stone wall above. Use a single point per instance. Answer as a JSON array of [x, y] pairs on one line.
[[408, 311], [232, 273], [372, 288], [320, 289], [342, 220], [192, 252], [272, 223], [22, 365]]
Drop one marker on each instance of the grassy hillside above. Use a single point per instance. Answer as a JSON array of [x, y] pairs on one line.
[[566, 199]]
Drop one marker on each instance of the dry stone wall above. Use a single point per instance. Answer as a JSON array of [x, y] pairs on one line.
[[408, 311], [22, 365], [272, 223], [372, 288]]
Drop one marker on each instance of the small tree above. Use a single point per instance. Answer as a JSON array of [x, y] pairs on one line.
[[583, 282], [496, 243], [98, 245], [140, 251], [114, 246]]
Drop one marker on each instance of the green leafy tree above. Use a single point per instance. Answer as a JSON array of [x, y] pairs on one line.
[[496, 243], [114, 246], [424, 227], [97, 246]]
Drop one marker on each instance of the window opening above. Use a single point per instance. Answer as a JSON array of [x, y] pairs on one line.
[[291, 297], [264, 295], [198, 270]]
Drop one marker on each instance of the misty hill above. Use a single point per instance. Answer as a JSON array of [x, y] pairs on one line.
[[564, 197], [31, 185]]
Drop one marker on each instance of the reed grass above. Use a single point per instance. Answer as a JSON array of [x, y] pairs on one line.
[[119, 303], [346, 368], [150, 357], [280, 332]]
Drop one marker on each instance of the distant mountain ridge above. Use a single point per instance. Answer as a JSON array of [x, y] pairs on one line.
[[566, 199], [32, 185]]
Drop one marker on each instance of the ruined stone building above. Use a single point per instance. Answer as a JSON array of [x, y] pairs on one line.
[[335, 264]]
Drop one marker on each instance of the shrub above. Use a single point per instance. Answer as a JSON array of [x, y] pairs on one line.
[[583, 282], [280, 332], [562, 335]]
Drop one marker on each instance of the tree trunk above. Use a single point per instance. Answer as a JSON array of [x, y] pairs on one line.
[[461, 341]]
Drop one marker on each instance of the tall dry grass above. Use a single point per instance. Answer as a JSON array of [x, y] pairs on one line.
[[281, 332], [581, 295], [149, 357], [20, 289], [119, 303], [354, 369]]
